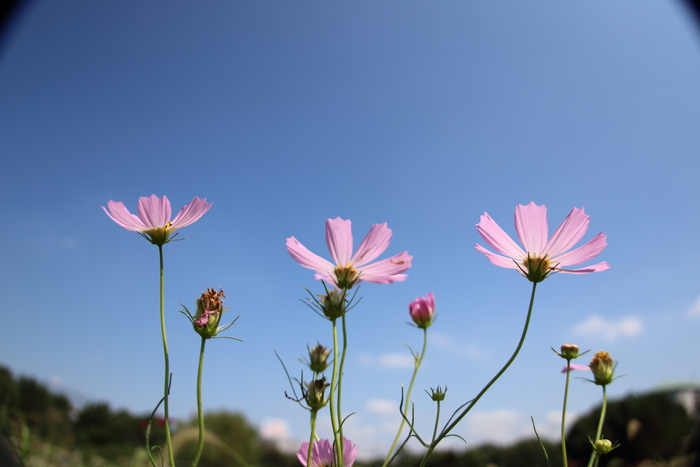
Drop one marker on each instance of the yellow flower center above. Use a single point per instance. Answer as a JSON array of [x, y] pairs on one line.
[[346, 276], [537, 269]]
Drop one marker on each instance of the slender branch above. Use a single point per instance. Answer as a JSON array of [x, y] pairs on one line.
[[599, 431], [340, 388], [565, 461], [417, 363], [200, 412], [312, 436], [449, 427], [166, 385], [334, 380]]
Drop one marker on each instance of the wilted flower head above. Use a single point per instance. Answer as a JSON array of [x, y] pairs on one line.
[[210, 307], [153, 220], [542, 256], [318, 358], [322, 453], [422, 310], [350, 269], [315, 393], [603, 368]]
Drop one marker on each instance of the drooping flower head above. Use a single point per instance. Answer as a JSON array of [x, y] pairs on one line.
[[322, 453], [350, 269], [542, 255], [153, 220], [422, 310]]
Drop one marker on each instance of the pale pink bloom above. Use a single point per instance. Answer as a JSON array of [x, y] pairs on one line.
[[576, 366], [322, 453], [153, 218], [542, 255], [350, 269], [422, 310]]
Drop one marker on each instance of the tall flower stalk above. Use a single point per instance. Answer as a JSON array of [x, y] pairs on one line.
[[455, 420], [166, 384], [153, 223]]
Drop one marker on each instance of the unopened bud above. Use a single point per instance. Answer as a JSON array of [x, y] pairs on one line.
[[438, 394], [602, 446], [422, 310], [318, 358], [569, 351], [603, 368], [333, 304]]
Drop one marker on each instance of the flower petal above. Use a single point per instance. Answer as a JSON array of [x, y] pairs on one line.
[[387, 270], [497, 238], [374, 244], [585, 252], [532, 229], [575, 366], [309, 260], [119, 214], [604, 266], [339, 240], [154, 212], [191, 213], [568, 233], [349, 452], [498, 260]]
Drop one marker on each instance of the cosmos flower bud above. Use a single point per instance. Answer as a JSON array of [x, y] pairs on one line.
[[603, 446], [569, 351], [422, 310], [210, 307], [333, 304], [318, 358], [438, 394], [314, 394], [603, 368]]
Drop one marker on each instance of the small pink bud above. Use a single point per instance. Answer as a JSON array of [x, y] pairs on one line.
[[422, 310]]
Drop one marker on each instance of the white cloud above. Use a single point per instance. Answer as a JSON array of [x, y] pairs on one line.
[[388, 360], [382, 406], [497, 426], [277, 431], [694, 310], [609, 330]]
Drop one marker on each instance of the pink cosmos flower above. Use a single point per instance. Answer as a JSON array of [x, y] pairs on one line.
[[542, 256], [422, 310], [349, 270], [153, 221], [575, 366], [322, 453]]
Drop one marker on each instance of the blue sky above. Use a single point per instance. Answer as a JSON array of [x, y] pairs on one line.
[[423, 115]]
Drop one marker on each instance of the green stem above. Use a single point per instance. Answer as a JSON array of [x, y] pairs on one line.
[[437, 420], [340, 391], [334, 379], [449, 428], [166, 388], [407, 405], [565, 461], [200, 412], [311, 437], [599, 431]]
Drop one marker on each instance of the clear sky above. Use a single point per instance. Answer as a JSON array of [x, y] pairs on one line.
[[423, 115]]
